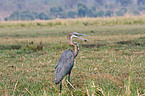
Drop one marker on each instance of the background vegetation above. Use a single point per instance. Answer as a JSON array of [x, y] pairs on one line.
[[110, 63], [51, 9]]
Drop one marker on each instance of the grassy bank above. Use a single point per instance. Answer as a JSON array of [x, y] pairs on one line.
[[110, 63], [128, 20]]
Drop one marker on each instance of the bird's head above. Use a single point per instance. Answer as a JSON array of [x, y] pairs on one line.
[[76, 35]]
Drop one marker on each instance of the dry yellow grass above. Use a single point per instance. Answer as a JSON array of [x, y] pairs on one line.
[[110, 63], [128, 20]]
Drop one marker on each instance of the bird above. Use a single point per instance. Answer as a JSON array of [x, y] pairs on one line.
[[66, 60]]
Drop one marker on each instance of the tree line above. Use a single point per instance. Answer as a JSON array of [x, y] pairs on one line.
[[76, 9]]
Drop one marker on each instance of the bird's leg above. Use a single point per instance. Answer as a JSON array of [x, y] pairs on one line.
[[68, 80], [60, 86]]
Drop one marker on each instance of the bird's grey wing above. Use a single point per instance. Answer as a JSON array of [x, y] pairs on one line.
[[64, 65], [65, 57]]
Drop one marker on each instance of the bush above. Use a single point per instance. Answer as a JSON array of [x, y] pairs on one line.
[[25, 15], [121, 12], [42, 16], [71, 14], [100, 14], [108, 13], [82, 10]]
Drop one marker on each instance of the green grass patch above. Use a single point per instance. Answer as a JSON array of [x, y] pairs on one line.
[[110, 63]]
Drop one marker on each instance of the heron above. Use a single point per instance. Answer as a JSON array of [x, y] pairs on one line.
[[66, 60]]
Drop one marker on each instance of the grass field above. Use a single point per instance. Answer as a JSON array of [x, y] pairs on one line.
[[111, 62]]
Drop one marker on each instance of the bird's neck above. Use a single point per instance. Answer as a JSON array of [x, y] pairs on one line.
[[76, 51]]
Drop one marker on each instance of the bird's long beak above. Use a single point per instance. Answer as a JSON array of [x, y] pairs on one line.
[[78, 34], [81, 37]]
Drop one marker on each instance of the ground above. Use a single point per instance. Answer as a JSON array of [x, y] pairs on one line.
[[110, 63]]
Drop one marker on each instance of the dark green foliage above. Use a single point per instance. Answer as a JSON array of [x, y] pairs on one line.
[[100, 2], [6, 19], [141, 2], [100, 13], [57, 12], [70, 3], [56, 9], [90, 13], [93, 8], [125, 2], [42, 16], [135, 12], [25, 15], [82, 10], [141, 8], [108, 13], [72, 14], [121, 12], [52, 9]]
